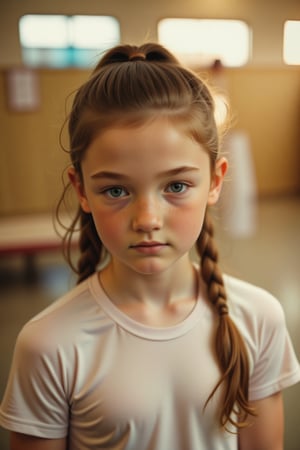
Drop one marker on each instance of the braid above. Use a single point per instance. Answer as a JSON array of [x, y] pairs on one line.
[[230, 348], [90, 248]]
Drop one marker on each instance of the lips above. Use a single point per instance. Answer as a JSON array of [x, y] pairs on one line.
[[147, 244], [148, 247]]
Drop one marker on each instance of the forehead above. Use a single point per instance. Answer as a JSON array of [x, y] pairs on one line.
[[159, 139]]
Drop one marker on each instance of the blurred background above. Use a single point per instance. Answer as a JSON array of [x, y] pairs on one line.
[[248, 51]]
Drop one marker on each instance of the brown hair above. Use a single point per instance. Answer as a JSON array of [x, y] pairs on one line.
[[129, 86]]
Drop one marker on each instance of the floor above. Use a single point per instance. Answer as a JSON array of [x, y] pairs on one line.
[[267, 254]]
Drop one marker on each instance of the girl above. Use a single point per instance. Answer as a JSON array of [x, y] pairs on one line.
[[149, 350]]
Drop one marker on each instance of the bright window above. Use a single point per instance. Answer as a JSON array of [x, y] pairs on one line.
[[61, 41], [202, 41], [291, 39]]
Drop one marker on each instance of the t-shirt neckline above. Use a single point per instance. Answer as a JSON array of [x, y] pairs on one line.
[[138, 328]]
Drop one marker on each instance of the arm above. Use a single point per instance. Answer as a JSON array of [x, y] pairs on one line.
[[266, 430], [20, 441]]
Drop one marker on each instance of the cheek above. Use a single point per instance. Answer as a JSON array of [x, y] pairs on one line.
[[109, 229], [188, 221]]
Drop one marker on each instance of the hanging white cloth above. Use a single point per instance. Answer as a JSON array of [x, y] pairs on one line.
[[239, 198]]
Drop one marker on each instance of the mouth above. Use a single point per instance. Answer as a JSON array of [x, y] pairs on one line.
[[148, 244], [148, 247]]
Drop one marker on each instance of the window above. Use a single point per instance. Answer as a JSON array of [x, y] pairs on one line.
[[62, 41], [202, 41], [291, 39]]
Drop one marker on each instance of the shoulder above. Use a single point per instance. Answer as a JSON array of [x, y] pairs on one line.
[[66, 322], [56, 355], [251, 302]]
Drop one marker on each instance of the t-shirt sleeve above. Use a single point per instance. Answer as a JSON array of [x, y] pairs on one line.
[[274, 362], [35, 400], [261, 321]]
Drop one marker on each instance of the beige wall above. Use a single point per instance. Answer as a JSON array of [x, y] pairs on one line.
[[266, 103]]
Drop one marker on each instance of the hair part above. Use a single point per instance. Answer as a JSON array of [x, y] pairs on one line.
[[129, 86]]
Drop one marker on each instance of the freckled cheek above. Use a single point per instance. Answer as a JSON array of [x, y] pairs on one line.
[[188, 221], [110, 230]]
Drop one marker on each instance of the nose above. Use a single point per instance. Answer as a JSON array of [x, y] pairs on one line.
[[147, 215]]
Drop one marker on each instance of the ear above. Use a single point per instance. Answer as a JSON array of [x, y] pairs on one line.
[[77, 183], [217, 180]]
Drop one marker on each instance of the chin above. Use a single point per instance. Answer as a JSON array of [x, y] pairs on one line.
[[150, 268]]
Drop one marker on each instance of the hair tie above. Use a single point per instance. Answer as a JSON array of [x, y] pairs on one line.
[[139, 56]]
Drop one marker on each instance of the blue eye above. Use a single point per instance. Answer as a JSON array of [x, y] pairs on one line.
[[177, 187], [115, 192]]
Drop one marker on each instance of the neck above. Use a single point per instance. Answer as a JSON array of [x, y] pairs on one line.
[[124, 286]]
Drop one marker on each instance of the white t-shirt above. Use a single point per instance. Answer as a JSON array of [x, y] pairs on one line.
[[83, 368]]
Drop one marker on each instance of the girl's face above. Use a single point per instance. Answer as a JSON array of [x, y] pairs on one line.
[[147, 188]]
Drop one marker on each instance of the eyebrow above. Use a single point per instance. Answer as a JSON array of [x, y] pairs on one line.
[[119, 176]]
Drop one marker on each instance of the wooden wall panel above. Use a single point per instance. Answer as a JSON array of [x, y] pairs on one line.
[[31, 157]]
